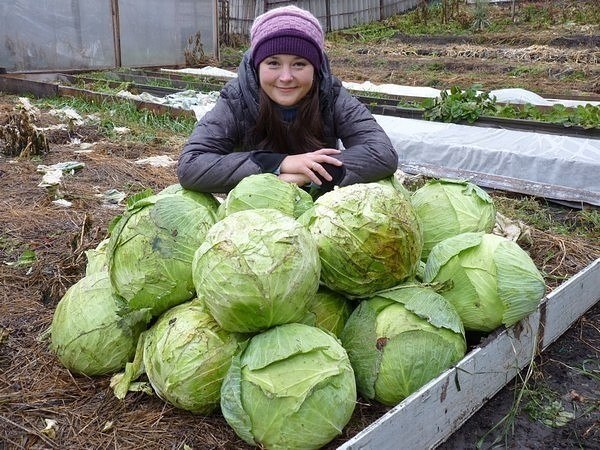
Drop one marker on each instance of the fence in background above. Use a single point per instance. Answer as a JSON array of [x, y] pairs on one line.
[[237, 15]]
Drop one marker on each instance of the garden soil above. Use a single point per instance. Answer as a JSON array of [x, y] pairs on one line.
[[43, 406]]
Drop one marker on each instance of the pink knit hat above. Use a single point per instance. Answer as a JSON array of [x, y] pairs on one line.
[[287, 30]]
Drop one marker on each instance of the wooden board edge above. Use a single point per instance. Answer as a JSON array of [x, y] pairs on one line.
[[575, 196], [433, 413], [569, 302]]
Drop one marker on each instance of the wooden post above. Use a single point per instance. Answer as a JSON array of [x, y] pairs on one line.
[[116, 31]]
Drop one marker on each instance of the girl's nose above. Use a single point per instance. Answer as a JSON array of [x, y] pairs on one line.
[[286, 73]]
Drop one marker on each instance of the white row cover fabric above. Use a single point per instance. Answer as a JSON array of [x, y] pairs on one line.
[[572, 162]]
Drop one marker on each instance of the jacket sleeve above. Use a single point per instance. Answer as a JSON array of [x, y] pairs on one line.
[[368, 153], [209, 161]]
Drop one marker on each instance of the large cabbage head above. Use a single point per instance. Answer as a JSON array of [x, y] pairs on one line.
[[92, 332], [368, 235], [266, 190], [257, 268], [292, 387], [151, 248], [494, 281], [400, 339], [447, 208], [186, 355], [329, 310]]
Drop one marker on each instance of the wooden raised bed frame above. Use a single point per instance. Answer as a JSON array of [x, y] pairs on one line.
[[429, 416]]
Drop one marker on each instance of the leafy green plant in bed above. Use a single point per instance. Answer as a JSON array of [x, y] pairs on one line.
[[457, 105], [586, 116]]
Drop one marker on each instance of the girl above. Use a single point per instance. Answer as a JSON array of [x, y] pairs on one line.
[[285, 113]]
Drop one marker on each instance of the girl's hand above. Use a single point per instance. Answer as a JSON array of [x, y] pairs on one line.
[[306, 166]]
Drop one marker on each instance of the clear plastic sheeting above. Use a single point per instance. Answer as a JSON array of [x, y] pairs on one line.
[[58, 34], [175, 32], [43, 35], [571, 162]]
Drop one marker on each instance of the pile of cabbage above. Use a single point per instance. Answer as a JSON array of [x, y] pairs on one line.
[[278, 310]]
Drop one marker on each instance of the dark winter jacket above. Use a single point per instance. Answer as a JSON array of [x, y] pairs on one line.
[[218, 155]]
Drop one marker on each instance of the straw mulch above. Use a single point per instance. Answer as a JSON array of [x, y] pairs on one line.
[[532, 53], [41, 404]]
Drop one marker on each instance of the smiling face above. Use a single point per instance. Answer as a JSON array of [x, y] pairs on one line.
[[286, 79]]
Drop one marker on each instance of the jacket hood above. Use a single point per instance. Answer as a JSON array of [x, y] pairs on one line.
[[249, 84]]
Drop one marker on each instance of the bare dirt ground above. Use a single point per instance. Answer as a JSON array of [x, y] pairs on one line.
[[36, 389], [549, 69]]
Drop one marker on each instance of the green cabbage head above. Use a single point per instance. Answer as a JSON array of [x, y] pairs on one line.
[[257, 268], [368, 236], [291, 387], [329, 310], [186, 355], [401, 339], [494, 281], [266, 190], [447, 208], [151, 248], [92, 332]]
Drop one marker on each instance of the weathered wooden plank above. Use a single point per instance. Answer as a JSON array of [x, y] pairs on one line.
[[499, 182], [438, 409], [14, 84], [568, 302]]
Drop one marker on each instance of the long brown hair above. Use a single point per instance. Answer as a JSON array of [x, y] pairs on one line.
[[303, 134]]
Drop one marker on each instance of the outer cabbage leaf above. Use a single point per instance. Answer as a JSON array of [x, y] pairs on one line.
[[450, 207], [96, 258], [151, 249]]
